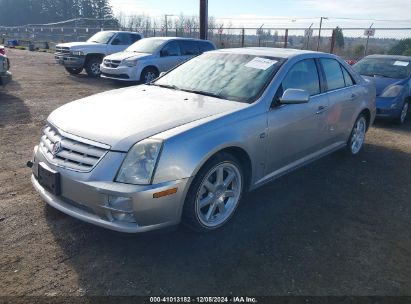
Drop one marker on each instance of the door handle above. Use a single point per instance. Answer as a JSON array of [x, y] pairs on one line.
[[321, 109]]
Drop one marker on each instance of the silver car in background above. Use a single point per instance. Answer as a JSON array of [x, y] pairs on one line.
[[187, 146], [146, 59]]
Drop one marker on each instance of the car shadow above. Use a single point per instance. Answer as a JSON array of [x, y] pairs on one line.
[[333, 227], [98, 81], [13, 110], [393, 126]]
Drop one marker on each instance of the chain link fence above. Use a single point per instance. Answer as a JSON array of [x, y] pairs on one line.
[[352, 45]]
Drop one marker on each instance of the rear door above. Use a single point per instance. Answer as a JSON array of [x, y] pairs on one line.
[[189, 49], [296, 130], [344, 96]]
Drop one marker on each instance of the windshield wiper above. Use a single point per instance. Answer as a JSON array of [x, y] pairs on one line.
[[167, 86], [205, 93]]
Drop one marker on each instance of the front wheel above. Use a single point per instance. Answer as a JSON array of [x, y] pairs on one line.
[[93, 67], [74, 71], [404, 113], [357, 137], [149, 74], [214, 195]]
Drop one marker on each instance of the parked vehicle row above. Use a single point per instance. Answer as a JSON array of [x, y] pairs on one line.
[[188, 145]]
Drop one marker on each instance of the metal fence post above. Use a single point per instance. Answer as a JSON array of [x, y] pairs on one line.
[[286, 38], [242, 37]]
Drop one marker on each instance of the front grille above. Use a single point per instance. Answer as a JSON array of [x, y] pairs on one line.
[[62, 50], [111, 63], [69, 153]]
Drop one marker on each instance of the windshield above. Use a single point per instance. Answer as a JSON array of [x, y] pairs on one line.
[[237, 77], [101, 37], [148, 46], [384, 67]]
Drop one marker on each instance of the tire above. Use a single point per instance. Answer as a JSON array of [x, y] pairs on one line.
[[404, 113], [149, 74], [93, 67], [218, 186], [74, 71], [357, 136]]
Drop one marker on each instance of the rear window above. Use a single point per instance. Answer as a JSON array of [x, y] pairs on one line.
[[333, 74], [206, 46], [189, 48]]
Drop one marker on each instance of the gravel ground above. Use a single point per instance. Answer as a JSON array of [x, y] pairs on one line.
[[340, 226]]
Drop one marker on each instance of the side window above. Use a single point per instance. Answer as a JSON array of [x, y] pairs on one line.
[[121, 39], [303, 75], [205, 47], [171, 49], [189, 48], [333, 74], [134, 38], [347, 78]]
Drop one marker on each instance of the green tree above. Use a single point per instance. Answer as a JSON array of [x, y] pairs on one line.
[[339, 37], [402, 47]]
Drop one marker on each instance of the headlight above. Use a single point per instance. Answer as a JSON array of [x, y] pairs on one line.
[[130, 62], [140, 162], [392, 91], [77, 53]]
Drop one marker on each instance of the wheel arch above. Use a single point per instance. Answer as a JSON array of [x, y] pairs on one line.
[[151, 66], [367, 113], [94, 55]]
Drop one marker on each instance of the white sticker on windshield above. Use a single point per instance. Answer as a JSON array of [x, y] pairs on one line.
[[260, 63], [401, 63]]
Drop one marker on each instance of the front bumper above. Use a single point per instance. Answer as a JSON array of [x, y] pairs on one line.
[[70, 61], [388, 107], [89, 200], [5, 78], [122, 73]]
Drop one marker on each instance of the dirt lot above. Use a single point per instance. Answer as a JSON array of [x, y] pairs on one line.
[[341, 226]]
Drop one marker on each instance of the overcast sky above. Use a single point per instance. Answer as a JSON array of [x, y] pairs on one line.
[[255, 12]]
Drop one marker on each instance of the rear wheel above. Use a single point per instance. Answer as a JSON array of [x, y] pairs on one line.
[[357, 137], [74, 71], [404, 113], [149, 74], [93, 67], [215, 194]]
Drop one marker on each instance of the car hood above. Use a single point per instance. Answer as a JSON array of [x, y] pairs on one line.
[[75, 46], [381, 83], [120, 118], [126, 55]]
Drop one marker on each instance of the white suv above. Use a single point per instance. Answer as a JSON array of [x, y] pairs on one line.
[[147, 58]]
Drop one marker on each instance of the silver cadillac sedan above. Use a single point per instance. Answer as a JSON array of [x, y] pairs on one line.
[[185, 147]]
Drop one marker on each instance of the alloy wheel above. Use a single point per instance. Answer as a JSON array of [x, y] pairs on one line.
[[358, 136]]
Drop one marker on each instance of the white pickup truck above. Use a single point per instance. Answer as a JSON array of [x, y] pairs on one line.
[[76, 56]]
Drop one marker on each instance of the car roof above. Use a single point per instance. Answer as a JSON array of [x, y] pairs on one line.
[[265, 51], [178, 38], [396, 57], [127, 32]]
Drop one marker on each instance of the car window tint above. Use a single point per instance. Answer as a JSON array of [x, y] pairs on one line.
[[189, 48], [122, 39], [205, 47], [347, 78], [304, 76], [134, 38], [333, 74], [171, 49]]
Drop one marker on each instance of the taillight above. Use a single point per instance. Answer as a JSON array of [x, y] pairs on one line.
[[2, 51]]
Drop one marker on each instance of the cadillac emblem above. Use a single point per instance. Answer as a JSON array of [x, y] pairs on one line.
[[56, 148]]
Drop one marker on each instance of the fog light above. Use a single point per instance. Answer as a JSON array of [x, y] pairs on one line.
[[120, 208]]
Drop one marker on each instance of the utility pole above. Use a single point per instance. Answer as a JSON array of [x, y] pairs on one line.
[[204, 19], [309, 35], [368, 38], [166, 23], [319, 32]]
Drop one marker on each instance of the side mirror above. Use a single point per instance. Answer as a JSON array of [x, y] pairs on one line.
[[295, 96], [162, 74], [163, 53]]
